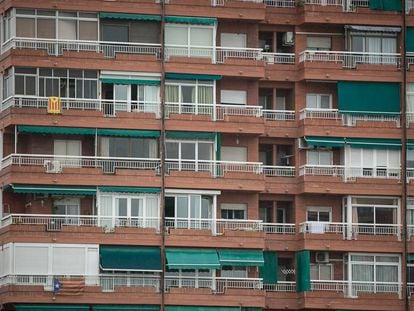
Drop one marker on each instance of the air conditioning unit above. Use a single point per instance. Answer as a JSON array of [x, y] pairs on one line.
[[288, 38], [53, 166], [322, 257]]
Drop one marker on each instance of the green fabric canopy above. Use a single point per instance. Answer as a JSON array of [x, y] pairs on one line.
[[50, 307], [52, 189], [135, 17], [385, 5], [129, 189], [369, 97], [410, 39], [303, 271], [190, 135], [190, 20], [269, 271], [55, 130], [128, 133], [192, 258], [410, 144], [129, 258], [374, 143], [130, 81], [241, 257], [189, 76], [319, 141], [125, 308], [194, 308]]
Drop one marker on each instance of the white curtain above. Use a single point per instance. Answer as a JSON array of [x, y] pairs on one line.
[[171, 94], [153, 147], [410, 97], [105, 210], [205, 95], [387, 273], [362, 273], [152, 210], [104, 142], [373, 45]]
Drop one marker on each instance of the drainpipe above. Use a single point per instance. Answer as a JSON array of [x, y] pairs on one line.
[[162, 155]]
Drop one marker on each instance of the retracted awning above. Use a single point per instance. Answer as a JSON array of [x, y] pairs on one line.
[[190, 20], [410, 144], [130, 81], [190, 76], [373, 28], [320, 141], [50, 307], [191, 258], [125, 308], [52, 189], [56, 130], [241, 257], [129, 258], [128, 133], [195, 308], [129, 189], [135, 17], [374, 143], [190, 135]]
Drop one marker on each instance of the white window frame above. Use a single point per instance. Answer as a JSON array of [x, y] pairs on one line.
[[196, 84], [319, 209], [234, 207], [319, 152], [318, 101], [318, 47], [376, 205], [198, 164], [198, 279], [318, 266]]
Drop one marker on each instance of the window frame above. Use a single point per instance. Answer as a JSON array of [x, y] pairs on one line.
[[318, 101]]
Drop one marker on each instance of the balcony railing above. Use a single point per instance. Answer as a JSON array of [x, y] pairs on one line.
[[409, 5], [279, 58], [349, 172], [351, 231], [56, 163], [218, 285], [350, 59], [354, 288], [280, 3], [281, 286], [410, 55], [224, 53], [58, 46], [57, 222], [279, 228], [238, 110], [278, 115], [108, 283], [279, 171], [326, 114], [108, 107]]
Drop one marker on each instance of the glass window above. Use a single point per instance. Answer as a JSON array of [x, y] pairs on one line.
[[46, 28], [176, 35], [88, 30], [172, 150], [115, 33], [201, 36], [25, 27], [67, 29]]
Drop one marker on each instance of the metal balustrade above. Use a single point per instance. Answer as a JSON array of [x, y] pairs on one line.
[[279, 228], [353, 288], [58, 46], [237, 110], [223, 53], [107, 282], [322, 227], [352, 119], [329, 285], [279, 58], [321, 170], [281, 286], [409, 118], [350, 59], [56, 163], [349, 172], [196, 109], [280, 3], [327, 114], [348, 6], [409, 5], [410, 55], [279, 171], [278, 115]]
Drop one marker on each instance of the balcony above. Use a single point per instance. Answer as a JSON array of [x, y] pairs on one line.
[[268, 3], [346, 119], [350, 60], [349, 173], [354, 289], [352, 7], [410, 56]]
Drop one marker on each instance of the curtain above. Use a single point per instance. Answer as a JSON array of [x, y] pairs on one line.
[[373, 45], [25, 27], [171, 94], [151, 94], [67, 29], [151, 211], [104, 146], [205, 95], [386, 273], [410, 97], [362, 273], [105, 210], [88, 30], [153, 148]]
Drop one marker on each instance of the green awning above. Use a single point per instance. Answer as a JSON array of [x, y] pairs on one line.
[[241, 257], [55, 130], [192, 258], [52, 189], [190, 135], [50, 307], [320, 141], [410, 39], [302, 271], [191, 20], [194, 308], [369, 97], [190, 76], [410, 144], [129, 189], [125, 308], [385, 5], [129, 258], [269, 271], [374, 143], [135, 17], [128, 133], [130, 81]]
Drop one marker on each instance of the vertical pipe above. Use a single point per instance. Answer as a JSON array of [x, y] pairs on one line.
[[162, 155]]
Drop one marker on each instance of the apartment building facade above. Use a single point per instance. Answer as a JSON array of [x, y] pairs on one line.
[[207, 155]]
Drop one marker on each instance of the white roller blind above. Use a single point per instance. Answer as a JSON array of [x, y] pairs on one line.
[[176, 34], [31, 259], [319, 43], [234, 206], [233, 40], [68, 260], [67, 29], [234, 154], [201, 36], [92, 262], [233, 97], [394, 158]]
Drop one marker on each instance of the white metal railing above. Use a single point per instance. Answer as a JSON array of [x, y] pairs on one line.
[[327, 114], [279, 228], [189, 51], [410, 231], [108, 107], [279, 58], [279, 171], [58, 46], [280, 3], [350, 231], [409, 118], [108, 283], [410, 289], [197, 109], [281, 286], [321, 170], [223, 225], [237, 110], [410, 55], [347, 5], [223, 53], [409, 5], [56, 163], [354, 288], [329, 285], [350, 59], [352, 119], [278, 115], [57, 222], [324, 2]]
